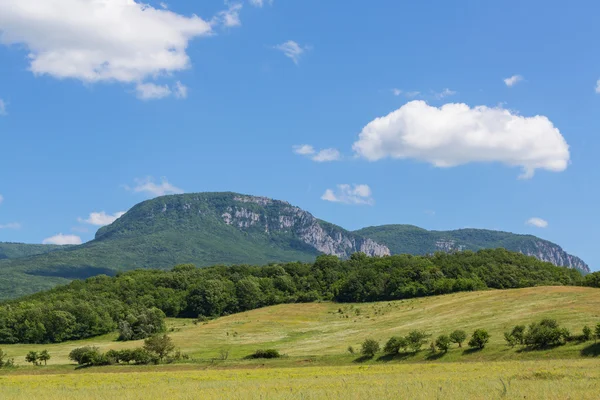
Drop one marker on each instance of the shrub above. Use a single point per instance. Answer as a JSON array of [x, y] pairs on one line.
[[142, 357], [394, 345], [443, 343], [84, 355], [597, 331], [350, 349], [6, 362], [32, 357], [416, 339], [458, 337], [269, 353], [518, 333], [587, 333], [161, 345], [510, 339], [369, 347], [546, 333], [479, 339], [44, 356]]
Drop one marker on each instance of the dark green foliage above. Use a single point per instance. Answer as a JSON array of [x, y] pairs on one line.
[[408, 239], [416, 339], [510, 339], [443, 343], [161, 345], [592, 280], [597, 332], [587, 333], [19, 250], [369, 348], [458, 337], [87, 355], [395, 344], [479, 339], [32, 357], [350, 349], [269, 353], [516, 336], [137, 301], [545, 333]]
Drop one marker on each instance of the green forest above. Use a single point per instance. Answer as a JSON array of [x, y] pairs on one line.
[[136, 302]]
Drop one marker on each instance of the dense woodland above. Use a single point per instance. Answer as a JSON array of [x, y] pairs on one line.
[[137, 302]]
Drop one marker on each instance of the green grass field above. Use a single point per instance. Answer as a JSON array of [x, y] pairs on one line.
[[315, 337]]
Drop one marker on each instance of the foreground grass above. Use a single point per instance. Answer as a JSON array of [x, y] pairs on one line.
[[327, 329], [553, 379]]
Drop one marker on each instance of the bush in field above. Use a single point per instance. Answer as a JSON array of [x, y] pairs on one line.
[[5, 362], [369, 348], [510, 339], [394, 345], [479, 339], [87, 355], [443, 343], [32, 357], [587, 333], [44, 356], [269, 353], [350, 349], [161, 345], [546, 333], [458, 337], [416, 339], [597, 331]]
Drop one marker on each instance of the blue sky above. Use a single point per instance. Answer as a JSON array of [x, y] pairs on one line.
[[476, 114]]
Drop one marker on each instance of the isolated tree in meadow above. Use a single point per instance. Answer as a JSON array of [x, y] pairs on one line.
[[597, 332], [369, 348], [394, 345], [44, 356], [32, 357], [416, 339], [161, 345], [443, 343], [479, 339], [458, 337], [587, 333]]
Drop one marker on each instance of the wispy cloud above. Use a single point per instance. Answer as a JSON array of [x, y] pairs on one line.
[[325, 155], [537, 222], [231, 17], [260, 3], [11, 225], [181, 91], [3, 106], [1, 199], [598, 86], [101, 218], [292, 50], [148, 186], [444, 93], [349, 194], [513, 80], [62, 240]]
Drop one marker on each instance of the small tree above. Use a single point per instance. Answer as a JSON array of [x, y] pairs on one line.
[[479, 339], [518, 333], [416, 339], [32, 357], [587, 333], [394, 345], [597, 332], [510, 339], [443, 343], [458, 337], [44, 356], [161, 345], [350, 349], [5, 362], [86, 355], [369, 348]]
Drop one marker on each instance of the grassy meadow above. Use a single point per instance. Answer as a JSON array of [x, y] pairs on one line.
[[314, 339]]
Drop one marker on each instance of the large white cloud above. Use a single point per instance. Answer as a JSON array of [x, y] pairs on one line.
[[349, 194], [100, 40], [101, 218], [62, 240], [456, 134]]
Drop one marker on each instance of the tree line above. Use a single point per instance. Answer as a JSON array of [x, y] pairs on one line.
[[135, 303]]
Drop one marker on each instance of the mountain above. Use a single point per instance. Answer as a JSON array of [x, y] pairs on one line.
[[202, 229], [229, 228], [18, 250], [414, 240]]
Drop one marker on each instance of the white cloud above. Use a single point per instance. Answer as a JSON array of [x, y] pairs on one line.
[[304, 149], [148, 186], [1, 199], [12, 225], [444, 93], [164, 6], [181, 91], [327, 155], [62, 240], [513, 80], [349, 194], [260, 3], [324, 155], [292, 50], [396, 92], [537, 222], [412, 94], [230, 17], [152, 91], [102, 40], [101, 218], [456, 134], [3, 105], [598, 86]]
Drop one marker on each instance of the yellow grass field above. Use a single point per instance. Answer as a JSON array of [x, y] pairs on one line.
[[548, 380]]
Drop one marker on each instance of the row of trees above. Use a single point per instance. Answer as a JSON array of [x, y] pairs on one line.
[[416, 339], [546, 333], [137, 302]]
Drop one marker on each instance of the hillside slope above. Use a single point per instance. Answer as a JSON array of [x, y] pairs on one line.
[[19, 250], [410, 239]]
